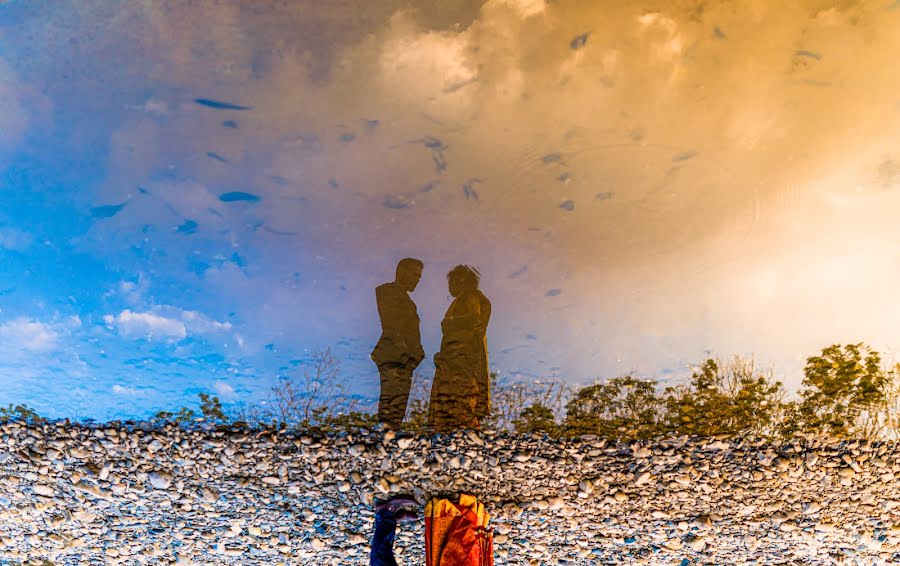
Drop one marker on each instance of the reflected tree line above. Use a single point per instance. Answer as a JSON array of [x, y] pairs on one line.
[[847, 391]]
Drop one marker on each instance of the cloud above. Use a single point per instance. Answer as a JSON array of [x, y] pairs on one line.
[[120, 390], [147, 325], [198, 323], [165, 322], [224, 390], [28, 335], [14, 239]]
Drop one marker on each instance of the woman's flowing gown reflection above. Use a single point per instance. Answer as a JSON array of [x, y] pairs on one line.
[[460, 394]]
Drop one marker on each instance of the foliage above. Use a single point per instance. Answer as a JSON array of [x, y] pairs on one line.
[[302, 400], [843, 392], [184, 415], [20, 411], [211, 408], [724, 399], [789, 421], [623, 407], [537, 418], [315, 397], [510, 398], [345, 421], [508, 401]]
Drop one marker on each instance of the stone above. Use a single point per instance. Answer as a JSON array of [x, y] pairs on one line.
[[44, 490], [160, 480]]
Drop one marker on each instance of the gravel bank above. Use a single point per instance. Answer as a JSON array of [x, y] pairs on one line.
[[135, 493]]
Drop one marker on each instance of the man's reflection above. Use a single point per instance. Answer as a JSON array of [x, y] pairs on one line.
[[399, 350]]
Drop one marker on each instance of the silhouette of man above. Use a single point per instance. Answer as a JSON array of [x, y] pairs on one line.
[[399, 350]]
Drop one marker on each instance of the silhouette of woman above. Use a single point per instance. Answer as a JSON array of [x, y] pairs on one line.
[[460, 394]]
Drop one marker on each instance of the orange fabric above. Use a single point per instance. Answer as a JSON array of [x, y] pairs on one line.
[[456, 534]]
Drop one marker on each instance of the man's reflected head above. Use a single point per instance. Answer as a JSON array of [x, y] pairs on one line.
[[409, 271]]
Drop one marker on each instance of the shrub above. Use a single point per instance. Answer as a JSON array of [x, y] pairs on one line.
[[843, 392], [725, 400], [509, 399], [211, 408], [537, 418], [624, 407], [20, 411]]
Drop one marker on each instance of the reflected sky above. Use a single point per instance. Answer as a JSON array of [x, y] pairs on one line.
[[194, 196]]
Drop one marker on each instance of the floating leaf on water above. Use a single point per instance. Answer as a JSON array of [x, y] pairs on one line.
[[189, 227], [468, 189], [579, 40], [219, 105], [440, 164], [433, 143], [107, 211], [396, 201], [278, 232], [429, 187], [518, 272], [809, 54], [216, 156], [236, 196], [684, 156], [551, 158]]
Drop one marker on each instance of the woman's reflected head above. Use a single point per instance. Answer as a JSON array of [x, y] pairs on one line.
[[462, 278]]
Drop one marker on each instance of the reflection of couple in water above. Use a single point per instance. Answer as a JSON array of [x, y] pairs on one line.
[[460, 393], [456, 532]]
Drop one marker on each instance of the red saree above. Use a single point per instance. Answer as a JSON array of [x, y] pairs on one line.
[[456, 534]]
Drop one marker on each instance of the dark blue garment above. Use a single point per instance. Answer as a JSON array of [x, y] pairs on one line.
[[383, 539]]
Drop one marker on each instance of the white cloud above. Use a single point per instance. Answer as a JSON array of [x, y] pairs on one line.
[[222, 389], [14, 239], [23, 334], [119, 390], [199, 323], [148, 325], [165, 321]]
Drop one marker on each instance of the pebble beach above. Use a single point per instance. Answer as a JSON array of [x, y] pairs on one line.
[[160, 493]]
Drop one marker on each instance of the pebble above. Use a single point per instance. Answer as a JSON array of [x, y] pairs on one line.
[[160, 480]]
